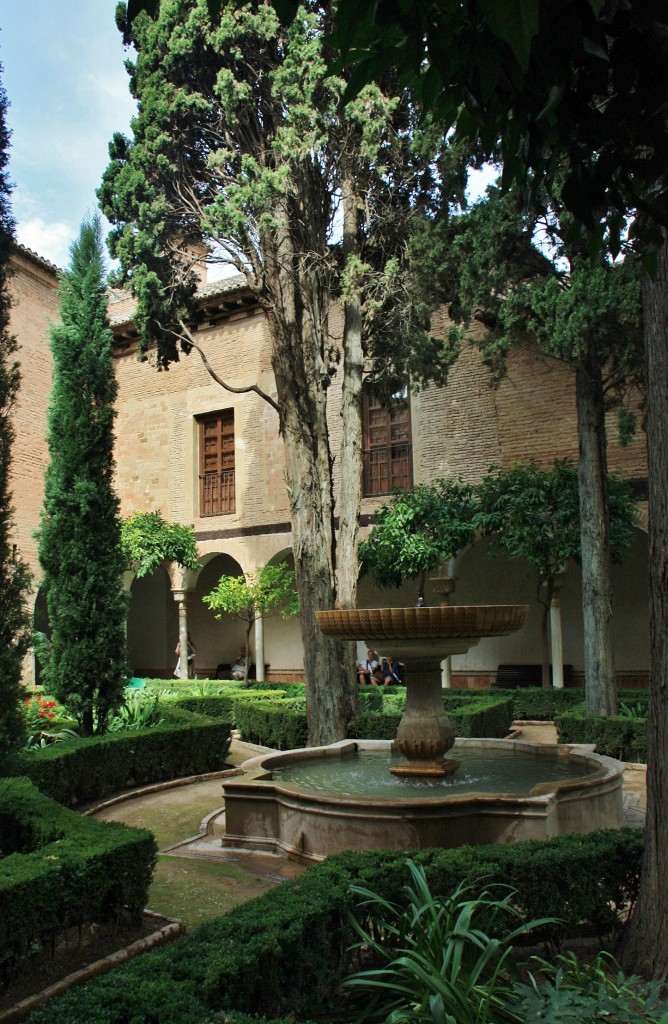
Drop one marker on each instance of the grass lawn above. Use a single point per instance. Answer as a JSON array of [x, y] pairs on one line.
[[197, 890], [192, 890]]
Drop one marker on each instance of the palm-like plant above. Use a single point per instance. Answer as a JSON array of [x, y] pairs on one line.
[[437, 964]]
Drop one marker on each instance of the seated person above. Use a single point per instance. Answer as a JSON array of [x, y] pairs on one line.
[[239, 666], [391, 672], [368, 671]]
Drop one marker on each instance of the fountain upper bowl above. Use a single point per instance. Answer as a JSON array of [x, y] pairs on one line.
[[442, 622]]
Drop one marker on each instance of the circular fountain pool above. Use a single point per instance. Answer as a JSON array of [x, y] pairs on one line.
[[347, 799], [481, 770]]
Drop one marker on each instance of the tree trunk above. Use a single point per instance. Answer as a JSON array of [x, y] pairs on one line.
[[599, 666], [350, 487], [645, 947], [300, 341]]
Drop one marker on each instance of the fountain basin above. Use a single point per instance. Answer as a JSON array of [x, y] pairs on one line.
[[264, 813]]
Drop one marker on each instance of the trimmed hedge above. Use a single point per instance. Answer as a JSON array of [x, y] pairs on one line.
[[286, 952], [534, 703], [280, 724], [623, 738], [220, 705], [60, 870], [83, 770], [478, 714]]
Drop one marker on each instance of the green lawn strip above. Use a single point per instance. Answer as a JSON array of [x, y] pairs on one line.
[[172, 815], [192, 890], [196, 891]]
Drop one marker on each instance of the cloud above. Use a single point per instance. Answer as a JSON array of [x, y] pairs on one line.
[[51, 241]]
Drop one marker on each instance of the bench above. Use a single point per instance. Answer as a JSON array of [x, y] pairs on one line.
[[510, 677], [225, 671]]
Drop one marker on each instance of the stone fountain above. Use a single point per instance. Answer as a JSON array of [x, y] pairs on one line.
[[423, 637], [575, 790]]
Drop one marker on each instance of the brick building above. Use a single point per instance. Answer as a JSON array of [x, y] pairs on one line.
[[203, 455]]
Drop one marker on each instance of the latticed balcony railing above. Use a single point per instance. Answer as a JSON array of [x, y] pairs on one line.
[[216, 493]]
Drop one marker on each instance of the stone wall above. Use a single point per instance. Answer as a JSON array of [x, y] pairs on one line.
[[459, 430]]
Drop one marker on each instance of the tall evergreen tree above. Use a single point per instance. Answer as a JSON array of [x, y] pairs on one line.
[[14, 576], [495, 267], [241, 140], [79, 538]]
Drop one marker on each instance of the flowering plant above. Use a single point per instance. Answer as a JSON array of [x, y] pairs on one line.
[[39, 712], [46, 721]]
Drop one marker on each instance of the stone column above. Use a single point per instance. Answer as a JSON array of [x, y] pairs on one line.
[[181, 597], [259, 649], [444, 587], [556, 642]]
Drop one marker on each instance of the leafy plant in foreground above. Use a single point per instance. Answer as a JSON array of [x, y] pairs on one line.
[[439, 962], [571, 993], [136, 712]]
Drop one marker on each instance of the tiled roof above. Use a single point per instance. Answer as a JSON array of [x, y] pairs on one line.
[[212, 290], [36, 258]]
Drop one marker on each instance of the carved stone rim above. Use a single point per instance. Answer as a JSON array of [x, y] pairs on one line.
[[442, 622]]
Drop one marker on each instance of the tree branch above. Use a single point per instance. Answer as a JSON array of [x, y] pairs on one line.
[[188, 338]]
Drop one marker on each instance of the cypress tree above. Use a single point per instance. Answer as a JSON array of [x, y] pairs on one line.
[[79, 539], [14, 575]]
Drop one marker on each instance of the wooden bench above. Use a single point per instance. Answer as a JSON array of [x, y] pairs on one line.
[[510, 677]]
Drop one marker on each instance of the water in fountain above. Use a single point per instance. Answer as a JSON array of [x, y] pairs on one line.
[[365, 773]]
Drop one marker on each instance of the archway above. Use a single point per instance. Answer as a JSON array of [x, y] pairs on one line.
[[283, 649], [217, 640], [153, 626]]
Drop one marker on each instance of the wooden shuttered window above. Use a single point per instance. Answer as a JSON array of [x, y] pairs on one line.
[[387, 444], [216, 464]]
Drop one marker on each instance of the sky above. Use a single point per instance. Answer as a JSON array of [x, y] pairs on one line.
[[65, 79], [66, 82]]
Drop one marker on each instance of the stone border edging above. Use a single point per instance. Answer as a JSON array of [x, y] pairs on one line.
[[155, 787], [170, 931]]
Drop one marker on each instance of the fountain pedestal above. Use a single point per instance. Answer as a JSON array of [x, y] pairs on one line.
[[425, 733]]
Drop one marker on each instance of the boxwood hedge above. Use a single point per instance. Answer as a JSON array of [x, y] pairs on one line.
[[285, 953], [59, 870], [87, 769], [622, 737]]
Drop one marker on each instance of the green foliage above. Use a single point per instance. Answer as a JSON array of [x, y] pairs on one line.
[[555, 92], [138, 711], [269, 590], [619, 736], [299, 933], [280, 724], [14, 574], [83, 770], [532, 703], [224, 703], [60, 869], [566, 992], [79, 536], [495, 268], [471, 714], [436, 960], [418, 530], [534, 514], [148, 541], [284, 143]]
